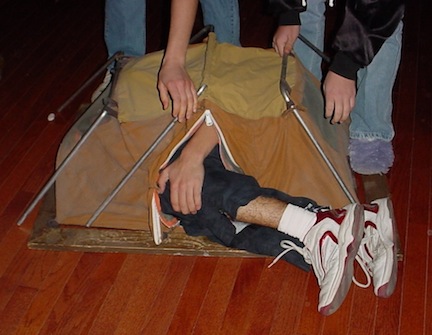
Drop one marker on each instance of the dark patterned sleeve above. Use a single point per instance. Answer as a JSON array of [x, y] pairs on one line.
[[366, 26], [287, 11]]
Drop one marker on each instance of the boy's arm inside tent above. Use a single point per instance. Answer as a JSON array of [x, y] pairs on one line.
[[186, 174]]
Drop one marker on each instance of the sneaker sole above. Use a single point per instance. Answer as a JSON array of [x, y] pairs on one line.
[[347, 255], [386, 290]]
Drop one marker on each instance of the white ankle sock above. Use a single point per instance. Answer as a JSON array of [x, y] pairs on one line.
[[296, 221]]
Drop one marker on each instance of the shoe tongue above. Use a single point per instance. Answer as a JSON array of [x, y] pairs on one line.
[[371, 208], [370, 216], [336, 215]]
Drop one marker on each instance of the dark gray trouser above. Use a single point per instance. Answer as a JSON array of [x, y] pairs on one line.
[[223, 193]]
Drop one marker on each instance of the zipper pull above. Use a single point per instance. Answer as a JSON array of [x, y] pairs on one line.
[[208, 118]]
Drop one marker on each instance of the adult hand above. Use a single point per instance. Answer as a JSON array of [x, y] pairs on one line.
[[186, 179], [284, 38], [174, 82], [339, 93]]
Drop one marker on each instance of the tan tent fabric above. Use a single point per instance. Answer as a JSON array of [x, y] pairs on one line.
[[247, 106], [242, 81]]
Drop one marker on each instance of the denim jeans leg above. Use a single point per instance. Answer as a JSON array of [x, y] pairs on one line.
[[312, 28], [225, 17], [371, 117], [125, 27]]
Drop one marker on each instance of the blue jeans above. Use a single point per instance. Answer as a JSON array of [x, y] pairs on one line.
[[371, 116], [225, 17], [125, 27], [125, 24]]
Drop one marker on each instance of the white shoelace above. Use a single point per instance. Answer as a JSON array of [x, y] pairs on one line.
[[289, 246], [366, 271], [363, 264]]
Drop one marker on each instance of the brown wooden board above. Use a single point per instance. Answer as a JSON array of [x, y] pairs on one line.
[[47, 234]]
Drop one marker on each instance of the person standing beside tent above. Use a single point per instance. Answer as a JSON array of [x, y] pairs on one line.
[[368, 46], [358, 40], [125, 27]]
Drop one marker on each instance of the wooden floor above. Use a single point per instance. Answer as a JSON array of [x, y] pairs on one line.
[[50, 48]]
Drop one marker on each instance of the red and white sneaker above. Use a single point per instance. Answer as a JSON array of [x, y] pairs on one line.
[[331, 246], [333, 243], [377, 254]]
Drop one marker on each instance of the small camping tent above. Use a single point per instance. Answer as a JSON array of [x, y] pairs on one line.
[[243, 96]]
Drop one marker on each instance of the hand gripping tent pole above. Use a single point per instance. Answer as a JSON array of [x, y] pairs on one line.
[[291, 107], [136, 166]]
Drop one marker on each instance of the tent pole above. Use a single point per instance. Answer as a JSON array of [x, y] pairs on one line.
[[135, 167], [291, 107], [314, 48], [117, 56], [105, 111], [61, 167]]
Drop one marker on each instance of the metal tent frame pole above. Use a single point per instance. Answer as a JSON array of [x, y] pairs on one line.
[[291, 108], [106, 110], [135, 167]]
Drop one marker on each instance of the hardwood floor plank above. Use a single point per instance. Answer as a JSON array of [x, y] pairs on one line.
[[362, 312], [414, 283], [119, 296], [266, 299], [13, 275], [13, 313], [155, 274], [236, 318], [292, 299], [8, 246], [51, 288], [38, 134], [163, 310], [340, 323], [311, 321], [402, 175], [194, 293], [42, 263], [388, 313], [26, 133], [428, 279], [414, 271], [212, 311], [70, 297], [86, 301], [38, 72]]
